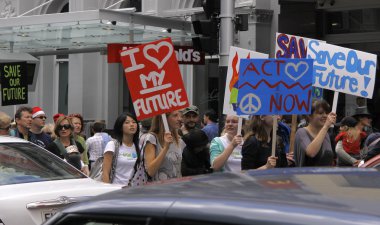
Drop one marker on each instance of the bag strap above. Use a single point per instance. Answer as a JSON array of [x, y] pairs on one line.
[[60, 146], [142, 160], [114, 158]]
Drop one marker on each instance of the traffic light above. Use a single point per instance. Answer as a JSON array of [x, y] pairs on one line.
[[211, 8], [208, 29]]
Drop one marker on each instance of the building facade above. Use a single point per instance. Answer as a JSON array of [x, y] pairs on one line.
[[85, 83]]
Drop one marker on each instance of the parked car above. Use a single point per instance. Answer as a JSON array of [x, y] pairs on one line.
[[34, 183], [339, 196]]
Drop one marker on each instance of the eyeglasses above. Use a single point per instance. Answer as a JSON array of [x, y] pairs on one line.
[[5, 128], [66, 126], [41, 117]]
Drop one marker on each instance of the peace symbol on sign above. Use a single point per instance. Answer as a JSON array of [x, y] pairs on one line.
[[247, 105]]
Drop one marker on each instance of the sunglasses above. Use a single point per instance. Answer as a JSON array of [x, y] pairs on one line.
[[66, 126], [6, 128], [41, 117]]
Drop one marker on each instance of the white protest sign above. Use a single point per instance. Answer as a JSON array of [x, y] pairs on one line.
[[343, 69], [231, 92]]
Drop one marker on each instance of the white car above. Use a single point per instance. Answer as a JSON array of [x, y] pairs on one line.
[[35, 184]]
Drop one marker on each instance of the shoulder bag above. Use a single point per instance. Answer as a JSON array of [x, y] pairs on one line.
[[97, 168]]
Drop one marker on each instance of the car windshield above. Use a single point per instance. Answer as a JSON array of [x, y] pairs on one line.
[[25, 163]]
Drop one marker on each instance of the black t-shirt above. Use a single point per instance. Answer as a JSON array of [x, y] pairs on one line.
[[255, 154]]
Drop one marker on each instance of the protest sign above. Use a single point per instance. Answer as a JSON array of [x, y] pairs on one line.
[[343, 69], [154, 78], [14, 83], [231, 91], [291, 46], [275, 86], [295, 47]]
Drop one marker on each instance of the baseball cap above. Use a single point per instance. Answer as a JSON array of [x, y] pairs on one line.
[[348, 121], [191, 108]]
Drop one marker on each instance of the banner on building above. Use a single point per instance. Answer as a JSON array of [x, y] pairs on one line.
[[14, 83], [154, 78], [184, 54], [343, 69], [231, 91], [275, 86]]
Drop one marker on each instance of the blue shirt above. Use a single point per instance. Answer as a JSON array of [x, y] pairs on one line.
[[211, 130]]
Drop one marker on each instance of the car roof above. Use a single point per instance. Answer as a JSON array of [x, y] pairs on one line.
[[11, 139], [333, 193]]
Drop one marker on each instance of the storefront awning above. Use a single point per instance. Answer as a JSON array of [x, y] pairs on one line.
[[83, 30]]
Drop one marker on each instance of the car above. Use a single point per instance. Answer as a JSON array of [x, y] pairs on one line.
[[34, 183], [339, 196]]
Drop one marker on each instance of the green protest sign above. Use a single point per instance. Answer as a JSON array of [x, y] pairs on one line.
[[14, 85]]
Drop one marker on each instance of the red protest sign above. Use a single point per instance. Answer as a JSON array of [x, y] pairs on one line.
[[154, 79]]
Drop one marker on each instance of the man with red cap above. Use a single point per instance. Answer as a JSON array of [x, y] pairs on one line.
[[38, 122]]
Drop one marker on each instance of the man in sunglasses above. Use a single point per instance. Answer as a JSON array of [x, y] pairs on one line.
[[5, 123], [38, 122]]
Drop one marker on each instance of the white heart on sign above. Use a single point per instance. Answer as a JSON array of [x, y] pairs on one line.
[[295, 78], [156, 48]]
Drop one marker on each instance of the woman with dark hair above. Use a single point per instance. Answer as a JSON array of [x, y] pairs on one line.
[[312, 145], [65, 145], [163, 150], [126, 132], [257, 148]]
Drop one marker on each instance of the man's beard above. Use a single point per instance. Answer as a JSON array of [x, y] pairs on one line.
[[190, 127]]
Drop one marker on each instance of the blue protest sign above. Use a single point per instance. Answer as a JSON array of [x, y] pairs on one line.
[[275, 86]]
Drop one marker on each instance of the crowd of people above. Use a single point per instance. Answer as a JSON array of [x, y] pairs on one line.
[[194, 145]]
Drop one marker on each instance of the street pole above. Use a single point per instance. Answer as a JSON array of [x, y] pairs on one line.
[[226, 35]]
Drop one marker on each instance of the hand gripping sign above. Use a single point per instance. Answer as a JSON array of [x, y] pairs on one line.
[[154, 79]]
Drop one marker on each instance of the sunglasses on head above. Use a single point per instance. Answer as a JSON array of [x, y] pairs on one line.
[[41, 117], [66, 126]]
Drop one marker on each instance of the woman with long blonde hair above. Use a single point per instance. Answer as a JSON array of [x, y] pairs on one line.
[[163, 150], [65, 146]]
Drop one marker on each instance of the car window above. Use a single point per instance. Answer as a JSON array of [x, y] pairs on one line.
[[25, 163]]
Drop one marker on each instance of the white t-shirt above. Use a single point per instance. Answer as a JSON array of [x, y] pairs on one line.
[[125, 162], [234, 161]]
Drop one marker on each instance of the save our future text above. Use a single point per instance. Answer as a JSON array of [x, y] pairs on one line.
[[13, 89]]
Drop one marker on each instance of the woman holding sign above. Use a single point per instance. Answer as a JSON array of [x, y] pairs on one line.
[[257, 148], [225, 151], [163, 151], [312, 146]]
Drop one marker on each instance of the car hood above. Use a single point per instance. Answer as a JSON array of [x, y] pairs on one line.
[[32, 200]]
